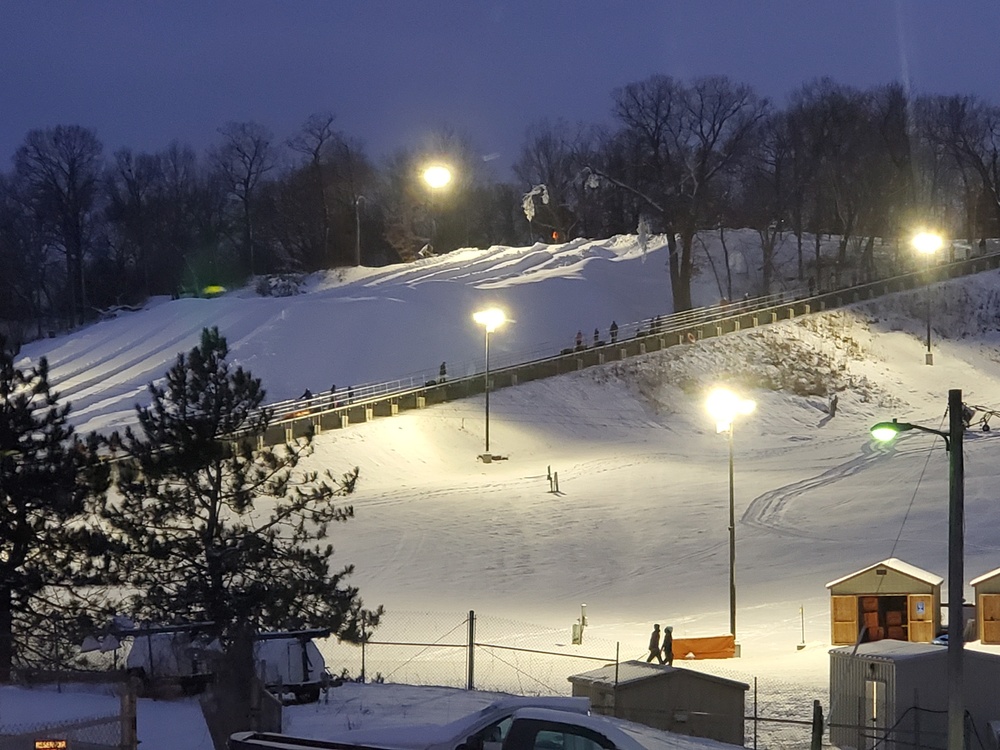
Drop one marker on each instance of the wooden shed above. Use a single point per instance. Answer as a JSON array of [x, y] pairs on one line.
[[673, 698], [890, 599], [987, 598], [893, 695]]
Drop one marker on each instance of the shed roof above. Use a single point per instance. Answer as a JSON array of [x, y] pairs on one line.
[[892, 650], [900, 567], [636, 671], [985, 577]]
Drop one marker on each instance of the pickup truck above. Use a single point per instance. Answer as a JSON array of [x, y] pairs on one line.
[[528, 728]]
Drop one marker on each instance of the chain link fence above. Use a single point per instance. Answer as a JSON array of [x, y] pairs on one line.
[[97, 733], [507, 655], [525, 659]]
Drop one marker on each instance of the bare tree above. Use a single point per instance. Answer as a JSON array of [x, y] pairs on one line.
[[553, 155], [968, 130], [60, 169], [313, 141], [244, 157], [685, 138], [133, 185]]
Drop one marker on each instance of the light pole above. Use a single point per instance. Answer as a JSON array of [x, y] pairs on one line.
[[928, 243], [956, 553], [490, 319], [724, 406], [357, 228], [436, 177]]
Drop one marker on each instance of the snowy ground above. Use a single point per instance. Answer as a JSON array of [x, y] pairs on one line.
[[639, 531]]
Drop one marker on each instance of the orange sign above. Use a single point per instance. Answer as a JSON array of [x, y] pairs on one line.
[[51, 744]]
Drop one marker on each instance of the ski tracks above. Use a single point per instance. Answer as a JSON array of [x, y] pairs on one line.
[[768, 511]]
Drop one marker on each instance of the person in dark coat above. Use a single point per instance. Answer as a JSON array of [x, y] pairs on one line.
[[668, 646], [443, 372], [654, 645], [579, 340], [614, 332]]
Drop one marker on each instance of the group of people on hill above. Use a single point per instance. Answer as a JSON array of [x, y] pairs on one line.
[[612, 333], [308, 394], [663, 651]]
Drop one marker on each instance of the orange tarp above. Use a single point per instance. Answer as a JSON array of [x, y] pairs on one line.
[[711, 647]]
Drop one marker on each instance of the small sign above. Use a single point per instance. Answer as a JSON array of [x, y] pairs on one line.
[[51, 744], [920, 608]]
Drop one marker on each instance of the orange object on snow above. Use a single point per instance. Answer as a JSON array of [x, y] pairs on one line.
[[710, 647]]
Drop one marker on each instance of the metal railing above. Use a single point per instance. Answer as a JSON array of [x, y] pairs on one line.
[[362, 402]]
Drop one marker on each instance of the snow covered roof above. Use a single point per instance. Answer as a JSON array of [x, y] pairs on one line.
[[893, 650], [635, 671], [900, 567], [985, 577]]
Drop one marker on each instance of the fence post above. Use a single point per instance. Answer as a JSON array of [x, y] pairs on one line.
[[755, 714], [364, 642], [817, 727], [861, 726], [129, 731], [470, 685]]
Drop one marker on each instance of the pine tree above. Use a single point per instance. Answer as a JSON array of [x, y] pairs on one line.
[[219, 530], [49, 553]]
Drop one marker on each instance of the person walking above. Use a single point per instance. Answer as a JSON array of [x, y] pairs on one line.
[[668, 646], [579, 340], [597, 337], [654, 645], [614, 332], [443, 372]]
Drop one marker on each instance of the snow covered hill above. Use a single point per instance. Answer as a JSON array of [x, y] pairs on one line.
[[640, 529]]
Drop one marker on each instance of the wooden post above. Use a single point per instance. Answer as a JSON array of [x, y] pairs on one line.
[[129, 731]]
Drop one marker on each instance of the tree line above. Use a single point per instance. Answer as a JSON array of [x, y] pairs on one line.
[[81, 231], [180, 520]]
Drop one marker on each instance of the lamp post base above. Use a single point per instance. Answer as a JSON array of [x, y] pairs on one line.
[[929, 358]]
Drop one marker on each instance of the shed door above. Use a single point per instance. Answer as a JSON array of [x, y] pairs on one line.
[[921, 617], [844, 614], [990, 604]]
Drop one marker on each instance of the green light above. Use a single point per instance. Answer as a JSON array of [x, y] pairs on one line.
[[885, 431]]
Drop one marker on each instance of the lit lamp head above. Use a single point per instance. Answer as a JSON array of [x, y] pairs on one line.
[[927, 243], [437, 176], [490, 319], [724, 406], [886, 431]]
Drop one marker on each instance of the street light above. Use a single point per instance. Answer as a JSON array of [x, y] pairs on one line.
[[928, 243], [956, 553], [357, 228], [436, 177], [491, 319], [724, 406]]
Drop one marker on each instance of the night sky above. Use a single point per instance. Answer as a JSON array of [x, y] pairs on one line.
[[145, 73]]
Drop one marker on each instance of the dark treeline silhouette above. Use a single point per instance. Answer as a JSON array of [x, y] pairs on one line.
[[82, 230]]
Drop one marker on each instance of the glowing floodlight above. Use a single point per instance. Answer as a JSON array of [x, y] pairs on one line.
[[437, 176]]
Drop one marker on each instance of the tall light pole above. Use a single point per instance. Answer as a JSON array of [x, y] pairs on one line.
[[956, 553], [724, 406], [357, 228], [928, 243], [490, 319], [436, 177]]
